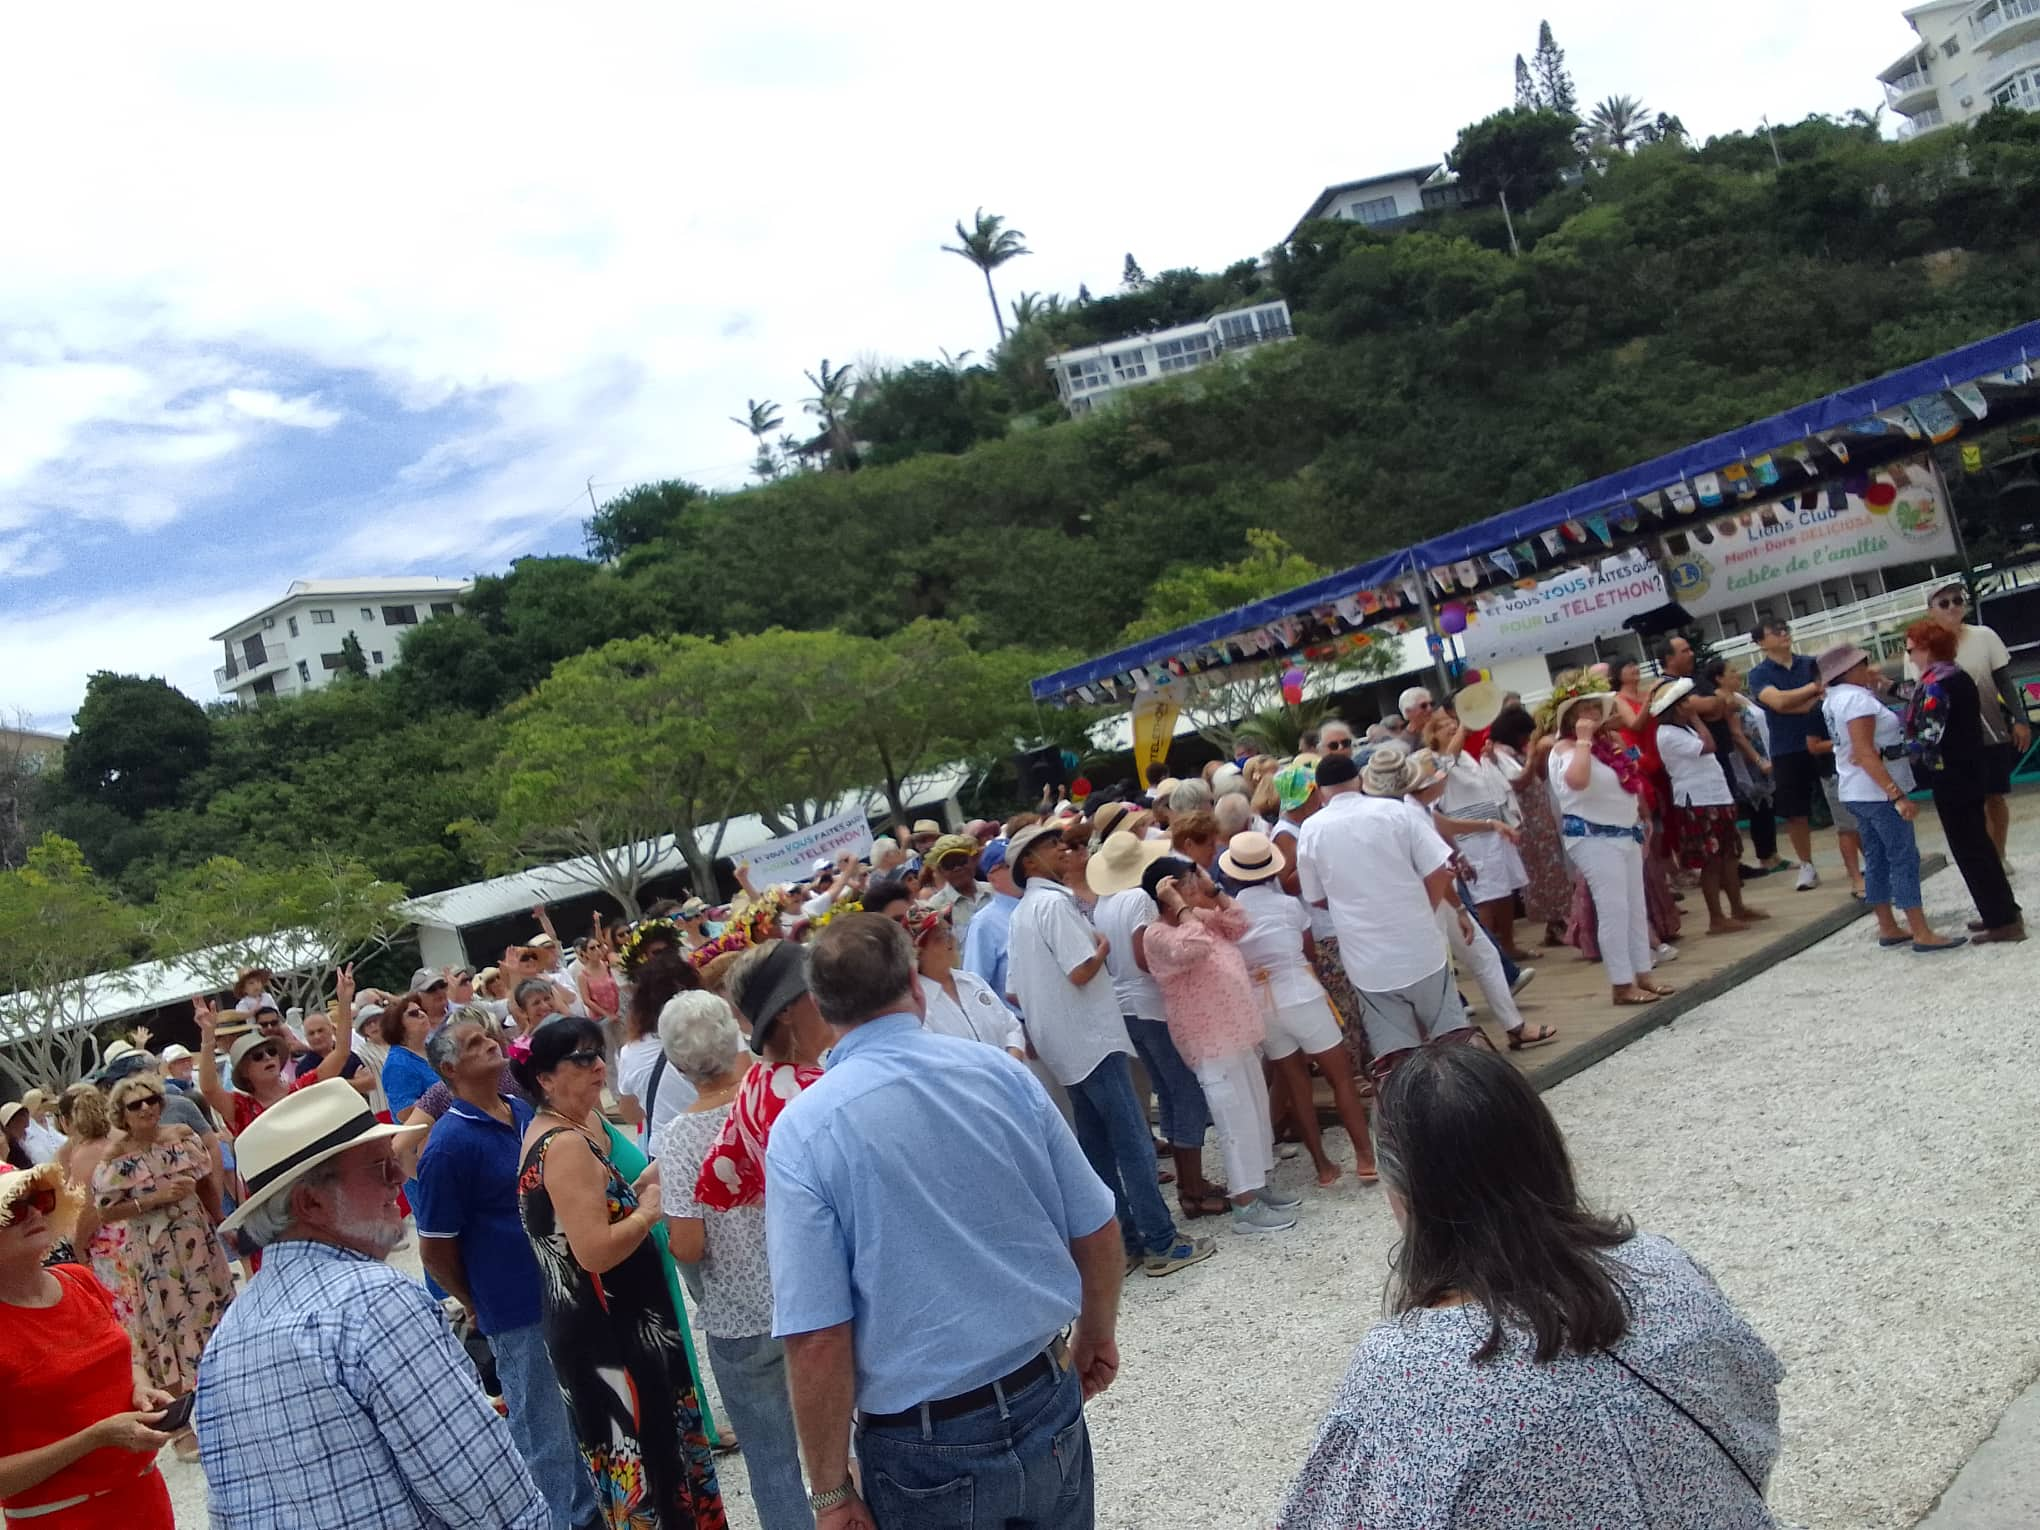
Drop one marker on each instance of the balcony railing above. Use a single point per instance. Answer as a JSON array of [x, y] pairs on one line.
[[1988, 21], [1924, 122], [1260, 336], [238, 671], [1897, 90]]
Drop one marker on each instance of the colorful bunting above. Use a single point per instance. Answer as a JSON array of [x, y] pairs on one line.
[[1972, 457], [1505, 560], [1936, 417], [1972, 399], [1597, 523], [1708, 487]]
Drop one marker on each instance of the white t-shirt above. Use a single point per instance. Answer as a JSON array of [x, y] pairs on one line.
[[1475, 788], [634, 1063], [42, 1142], [1074, 1027], [1366, 859], [976, 1014], [1320, 919], [1978, 653], [1117, 916], [1696, 775], [1604, 801], [1844, 702], [1273, 944]]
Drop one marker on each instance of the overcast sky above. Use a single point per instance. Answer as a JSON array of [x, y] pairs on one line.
[[320, 292]]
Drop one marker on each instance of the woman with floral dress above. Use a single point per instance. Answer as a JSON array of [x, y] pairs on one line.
[[153, 1180], [88, 1130]]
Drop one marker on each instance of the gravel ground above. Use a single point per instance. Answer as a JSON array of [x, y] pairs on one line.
[[1848, 1149]]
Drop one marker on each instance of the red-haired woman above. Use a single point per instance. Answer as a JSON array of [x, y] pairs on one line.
[[1944, 733]]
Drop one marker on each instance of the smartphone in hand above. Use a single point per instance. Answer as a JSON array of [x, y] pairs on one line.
[[177, 1416]]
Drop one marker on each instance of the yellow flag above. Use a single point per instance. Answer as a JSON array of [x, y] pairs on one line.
[[1972, 457], [1154, 729]]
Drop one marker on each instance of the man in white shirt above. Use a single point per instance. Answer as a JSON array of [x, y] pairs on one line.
[[1056, 975], [1363, 860], [1981, 654], [953, 860]]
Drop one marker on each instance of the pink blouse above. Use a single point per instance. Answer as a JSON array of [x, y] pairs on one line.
[[1206, 989]]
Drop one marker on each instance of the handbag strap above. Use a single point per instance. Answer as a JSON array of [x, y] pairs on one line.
[[1696, 1423], [652, 1091]]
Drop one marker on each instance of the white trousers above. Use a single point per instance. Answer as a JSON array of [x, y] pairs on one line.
[[1238, 1098], [1479, 959], [1614, 872]]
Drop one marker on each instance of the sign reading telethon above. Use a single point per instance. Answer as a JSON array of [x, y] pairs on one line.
[[791, 857], [1754, 556], [1568, 610]]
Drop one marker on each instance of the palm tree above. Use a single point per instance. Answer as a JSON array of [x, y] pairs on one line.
[[1617, 121], [832, 398], [761, 418], [1026, 309], [989, 243]]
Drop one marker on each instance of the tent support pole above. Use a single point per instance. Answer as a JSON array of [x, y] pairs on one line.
[[1954, 520], [1431, 626]]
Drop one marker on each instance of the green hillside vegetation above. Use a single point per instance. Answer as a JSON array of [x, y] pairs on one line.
[[1664, 294]]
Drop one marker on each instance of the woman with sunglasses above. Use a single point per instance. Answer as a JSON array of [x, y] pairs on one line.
[[254, 1067], [77, 1450], [156, 1180], [610, 1325]]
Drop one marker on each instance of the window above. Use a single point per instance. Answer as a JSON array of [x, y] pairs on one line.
[[1128, 366], [266, 686], [254, 652], [442, 608], [322, 618], [332, 661], [1375, 210], [268, 622], [400, 616], [368, 613], [1084, 375], [1181, 355], [293, 626], [376, 657], [304, 672], [2021, 90], [1950, 48]]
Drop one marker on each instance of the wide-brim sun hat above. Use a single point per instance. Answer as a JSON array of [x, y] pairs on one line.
[[1427, 768], [1159, 792], [1119, 860], [298, 1133], [1668, 693], [1838, 661], [238, 1053], [1251, 857], [1018, 846], [1109, 817], [18, 1183], [1478, 705], [115, 1051]]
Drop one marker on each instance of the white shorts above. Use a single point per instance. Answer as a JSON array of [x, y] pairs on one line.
[[1497, 866], [1310, 1027]]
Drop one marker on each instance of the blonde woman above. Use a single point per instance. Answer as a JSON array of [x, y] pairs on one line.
[[88, 1137]]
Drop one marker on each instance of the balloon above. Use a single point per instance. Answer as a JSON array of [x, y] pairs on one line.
[[1881, 495], [1452, 618], [1292, 685], [1080, 788]]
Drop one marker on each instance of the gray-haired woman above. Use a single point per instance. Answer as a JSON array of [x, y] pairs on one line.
[[699, 1034]]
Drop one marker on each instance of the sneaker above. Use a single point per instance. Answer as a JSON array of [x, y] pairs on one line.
[[1254, 1217], [1288, 1149], [1664, 955], [1187, 1251], [1281, 1200], [1523, 977], [1809, 879]]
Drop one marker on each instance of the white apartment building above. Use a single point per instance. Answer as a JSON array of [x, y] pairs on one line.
[[295, 644], [1972, 55], [1098, 373], [1382, 201]]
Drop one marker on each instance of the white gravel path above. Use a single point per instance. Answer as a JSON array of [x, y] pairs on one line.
[[1846, 1141]]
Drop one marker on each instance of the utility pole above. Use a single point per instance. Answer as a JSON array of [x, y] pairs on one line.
[[1776, 158], [593, 508], [1515, 249]]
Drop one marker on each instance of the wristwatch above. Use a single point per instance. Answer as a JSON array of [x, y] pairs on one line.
[[835, 1498]]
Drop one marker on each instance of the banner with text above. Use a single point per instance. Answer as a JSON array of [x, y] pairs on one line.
[[1154, 730], [1760, 554], [1568, 610], [791, 857]]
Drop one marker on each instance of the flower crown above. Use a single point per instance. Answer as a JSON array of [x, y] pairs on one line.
[[631, 942], [759, 922], [1571, 686]]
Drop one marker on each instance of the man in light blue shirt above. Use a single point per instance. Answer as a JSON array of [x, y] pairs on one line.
[[986, 938], [932, 1228]]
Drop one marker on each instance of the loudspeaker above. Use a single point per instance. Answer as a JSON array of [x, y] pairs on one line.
[[2014, 615], [1039, 769], [1666, 618]]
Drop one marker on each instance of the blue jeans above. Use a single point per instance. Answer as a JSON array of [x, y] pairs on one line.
[[1113, 1133], [1022, 1463], [1891, 856], [539, 1426], [751, 1375], [1180, 1096]]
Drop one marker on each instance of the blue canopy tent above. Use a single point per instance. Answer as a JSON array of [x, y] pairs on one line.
[[1842, 434]]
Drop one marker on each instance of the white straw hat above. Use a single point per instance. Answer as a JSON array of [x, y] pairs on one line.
[[300, 1132]]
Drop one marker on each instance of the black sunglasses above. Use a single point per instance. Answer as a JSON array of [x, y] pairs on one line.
[[1947, 603], [141, 1100], [1338, 745], [587, 1057]]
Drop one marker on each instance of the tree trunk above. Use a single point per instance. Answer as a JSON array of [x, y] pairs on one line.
[[997, 317]]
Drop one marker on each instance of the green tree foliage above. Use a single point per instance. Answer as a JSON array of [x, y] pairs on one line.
[[927, 407], [135, 744], [1618, 122], [989, 244], [1131, 277], [649, 511], [1526, 86], [1555, 90], [353, 662], [1517, 153], [60, 929], [1190, 592]]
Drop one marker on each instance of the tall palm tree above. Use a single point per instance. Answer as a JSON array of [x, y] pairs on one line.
[[1618, 121], [831, 399], [989, 243], [761, 418], [1026, 309]]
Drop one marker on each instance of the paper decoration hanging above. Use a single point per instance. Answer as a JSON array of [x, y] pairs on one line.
[[1676, 545], [1597, 523], [1769, 516], [1468, 570], [1574, 531], [1972, 399], [1505, 560], [1412, 591], [1899, 420], [1652, 503], [1765, 466], [1708, 487], [1735, 479], [1553, 542], [1972, 457], [1936, 417], [1526, 554], [1680, 496], [1628, 522], [1835, 446]]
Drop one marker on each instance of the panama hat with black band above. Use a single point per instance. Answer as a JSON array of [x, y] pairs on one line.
[[297, 1134], [1251, 857], [1020, 844]]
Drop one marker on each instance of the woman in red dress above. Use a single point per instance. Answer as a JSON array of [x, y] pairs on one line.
[[76, 1448]]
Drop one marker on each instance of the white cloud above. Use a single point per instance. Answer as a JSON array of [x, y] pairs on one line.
[[49, 653], [601, 229]]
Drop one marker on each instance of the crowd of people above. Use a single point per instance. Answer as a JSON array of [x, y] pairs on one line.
[[892, 1139]]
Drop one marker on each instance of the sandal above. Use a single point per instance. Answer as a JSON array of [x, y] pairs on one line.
[[1212, 1205], [1661, 991], [1637, 994], [1523, 1039]]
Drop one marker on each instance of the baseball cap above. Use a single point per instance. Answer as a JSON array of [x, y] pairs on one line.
[[425, 979], [993, 858], [175, 1052], [822, 867]]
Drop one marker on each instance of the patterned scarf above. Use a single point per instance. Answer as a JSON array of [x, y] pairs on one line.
[[733, 1174], [1926, 715]]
